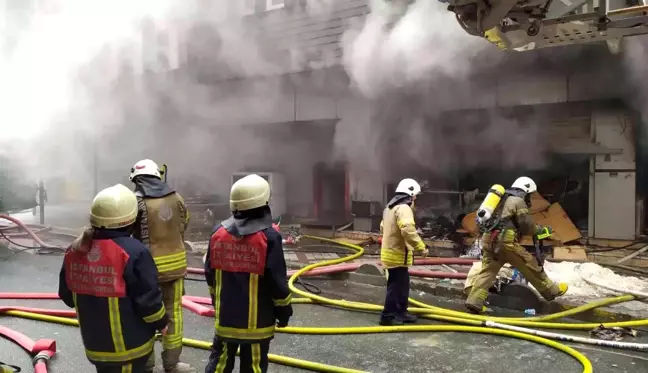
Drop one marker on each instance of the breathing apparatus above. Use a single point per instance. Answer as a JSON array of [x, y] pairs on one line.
[[488, 207]]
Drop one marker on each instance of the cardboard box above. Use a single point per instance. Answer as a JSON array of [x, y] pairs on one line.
[[543, 213], [570, 253]]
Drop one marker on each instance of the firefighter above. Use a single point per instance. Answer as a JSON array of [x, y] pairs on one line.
[[399, 242], [246, 274], [111, 280], [161, 222], [501, 245]]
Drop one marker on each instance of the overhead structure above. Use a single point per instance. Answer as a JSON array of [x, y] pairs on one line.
[[535, 24]]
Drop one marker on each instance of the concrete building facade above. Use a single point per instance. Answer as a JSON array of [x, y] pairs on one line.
[[303, 93]]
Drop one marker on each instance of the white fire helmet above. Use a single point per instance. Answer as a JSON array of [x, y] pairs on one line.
[[145, 167], [526, 184], [409, 187]]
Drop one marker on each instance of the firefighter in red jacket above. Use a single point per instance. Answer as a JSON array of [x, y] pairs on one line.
[[111, 280], [246, 274]]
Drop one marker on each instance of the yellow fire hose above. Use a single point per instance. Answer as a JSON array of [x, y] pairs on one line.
[[428, 310], [283, 360], [473, 322]]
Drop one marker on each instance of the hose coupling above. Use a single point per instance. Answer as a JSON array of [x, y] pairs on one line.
[[41, 356]]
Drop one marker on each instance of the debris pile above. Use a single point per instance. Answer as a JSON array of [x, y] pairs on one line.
[[543, 213]]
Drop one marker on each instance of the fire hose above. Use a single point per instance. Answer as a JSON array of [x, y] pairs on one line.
[[29, 232], [478, 324], [41, 351]]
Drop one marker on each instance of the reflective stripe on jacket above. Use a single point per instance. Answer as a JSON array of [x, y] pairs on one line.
[[114, 289], [399, 237], [160, 226], [247, 281]]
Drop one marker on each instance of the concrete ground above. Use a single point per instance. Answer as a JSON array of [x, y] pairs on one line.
[[413, 352]]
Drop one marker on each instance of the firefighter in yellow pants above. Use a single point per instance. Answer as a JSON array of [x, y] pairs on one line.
[[161, 222], [500, 245]]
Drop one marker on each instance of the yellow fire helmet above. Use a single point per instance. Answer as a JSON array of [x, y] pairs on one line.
[[114, 207]]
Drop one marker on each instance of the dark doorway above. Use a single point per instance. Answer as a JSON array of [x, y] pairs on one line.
[[331, 194]]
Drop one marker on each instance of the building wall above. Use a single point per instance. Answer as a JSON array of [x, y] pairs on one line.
[[307, 35], [298, 39], [613, 180]]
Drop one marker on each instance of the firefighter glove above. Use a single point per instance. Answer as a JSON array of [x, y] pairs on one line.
[[544, 232], [283, 314]]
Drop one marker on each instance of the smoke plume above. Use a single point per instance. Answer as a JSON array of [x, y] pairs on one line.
[[82, 97], [413, 64], [399, 46]]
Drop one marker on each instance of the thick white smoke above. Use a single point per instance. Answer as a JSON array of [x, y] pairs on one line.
[[398, 46], [78, 111], [412, 63], [63, 52]]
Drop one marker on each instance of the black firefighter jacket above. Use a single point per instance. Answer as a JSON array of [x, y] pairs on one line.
[[114, 289], [246, 275]]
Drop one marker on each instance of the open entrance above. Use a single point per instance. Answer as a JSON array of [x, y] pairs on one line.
[[331, 194]]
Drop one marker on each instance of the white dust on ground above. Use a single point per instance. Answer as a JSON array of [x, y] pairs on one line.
[[582, 292], [578, 288]]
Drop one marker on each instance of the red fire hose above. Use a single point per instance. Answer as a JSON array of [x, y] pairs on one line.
[[197, 308], [41, 351], [29, 296], [29, 231], [414, 272], [42, 311], [315, 272]]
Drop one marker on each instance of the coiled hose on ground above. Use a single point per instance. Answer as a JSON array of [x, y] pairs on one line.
[[476, 323]]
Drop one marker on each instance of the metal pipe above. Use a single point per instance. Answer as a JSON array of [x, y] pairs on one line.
[[41, 201], [638, 252], [629, 10]]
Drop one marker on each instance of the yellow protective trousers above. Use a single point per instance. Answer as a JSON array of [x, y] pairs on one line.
[[172, 293], [508, 251]]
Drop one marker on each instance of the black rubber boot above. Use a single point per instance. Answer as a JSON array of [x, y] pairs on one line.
[[390, 321], [408, 318]]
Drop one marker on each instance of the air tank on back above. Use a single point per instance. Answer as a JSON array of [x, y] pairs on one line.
[[490, 203]]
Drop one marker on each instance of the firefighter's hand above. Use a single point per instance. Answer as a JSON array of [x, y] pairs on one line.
[[282, 315], [425, 252], [282, 323], [165, 331]]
